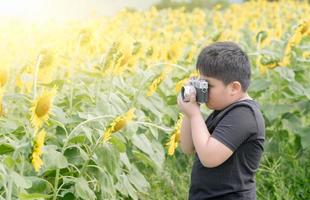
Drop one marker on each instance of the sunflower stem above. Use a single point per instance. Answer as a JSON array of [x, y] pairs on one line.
[[35, 76], [75, 57], [91, 154], [133, 103], [56, 184], [71, 96], [89, 120], [61, 125], [154, 125], [9, 189]]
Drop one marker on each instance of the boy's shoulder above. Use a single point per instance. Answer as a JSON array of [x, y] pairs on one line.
[[246, 105], [246, 110], [245, 102], [245, 113]]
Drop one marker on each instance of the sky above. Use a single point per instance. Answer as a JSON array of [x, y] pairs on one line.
[[66, 9], [41, 10]]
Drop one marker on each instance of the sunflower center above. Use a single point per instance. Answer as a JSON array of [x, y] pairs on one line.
[[42, 108], [119, 125]]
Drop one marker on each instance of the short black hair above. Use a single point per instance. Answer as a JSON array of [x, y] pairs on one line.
[[225, 61]]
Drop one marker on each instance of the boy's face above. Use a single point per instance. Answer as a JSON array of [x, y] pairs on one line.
[[219, 94]]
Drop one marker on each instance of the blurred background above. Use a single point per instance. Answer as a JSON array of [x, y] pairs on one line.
[[81, 9]]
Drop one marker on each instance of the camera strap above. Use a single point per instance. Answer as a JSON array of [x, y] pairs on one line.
[[212, 123]]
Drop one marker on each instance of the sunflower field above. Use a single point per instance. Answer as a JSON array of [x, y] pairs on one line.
[[88, 108]]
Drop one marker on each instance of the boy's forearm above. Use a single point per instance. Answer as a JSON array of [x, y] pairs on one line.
[[186, 140], [200, 135]]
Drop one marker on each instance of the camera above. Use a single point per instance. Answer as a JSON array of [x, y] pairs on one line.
[[201, 87]]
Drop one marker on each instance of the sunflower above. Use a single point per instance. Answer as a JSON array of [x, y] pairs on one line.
[[42, 107], [37, 150], [3, 77], [155, 83], [294, 41], [118, 124], [306, 54], [175, 51], [172, 144], [152, 88], [182, 82], [46, 69]]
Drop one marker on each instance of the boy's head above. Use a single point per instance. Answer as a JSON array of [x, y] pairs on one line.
[[227, 69]]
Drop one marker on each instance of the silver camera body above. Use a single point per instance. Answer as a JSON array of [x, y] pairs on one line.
[[201, 87]]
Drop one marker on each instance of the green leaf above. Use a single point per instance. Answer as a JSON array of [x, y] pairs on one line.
[[171, 100], [9, 125], [108, 190], [296, 88], [149, 105], [118, 143], [291, 123], [153, 149], [143, 143], [57, 82], [68, 196], [82, 189], [154, 132], [108, 157], [305, 137], [25, 196], [261, 36], [20, 181], [125, 188], [39, 185], [9, 162], [307, 92], [138, 180], [79, 139], [73, 155], [59, 114], [286, 73], [88, 132], [6, 148], [53, 159], [159, 154], [124, 159], [259, 85], [117, 101], [141, 157], [83, 153], [274, 111]]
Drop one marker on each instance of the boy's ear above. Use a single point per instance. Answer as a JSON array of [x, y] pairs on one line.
[[235, 87]]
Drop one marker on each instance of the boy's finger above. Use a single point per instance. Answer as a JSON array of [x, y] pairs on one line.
[[179, 99], [193, 98], [193, 91]]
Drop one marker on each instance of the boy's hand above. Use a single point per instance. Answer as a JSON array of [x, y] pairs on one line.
[[190, 108]]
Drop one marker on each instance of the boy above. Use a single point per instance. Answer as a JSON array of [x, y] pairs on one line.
[[229, 144]]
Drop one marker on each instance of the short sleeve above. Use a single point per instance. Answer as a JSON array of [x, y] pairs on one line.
[[236, 127]]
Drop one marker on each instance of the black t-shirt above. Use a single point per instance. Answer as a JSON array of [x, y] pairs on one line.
[[242, 129]]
